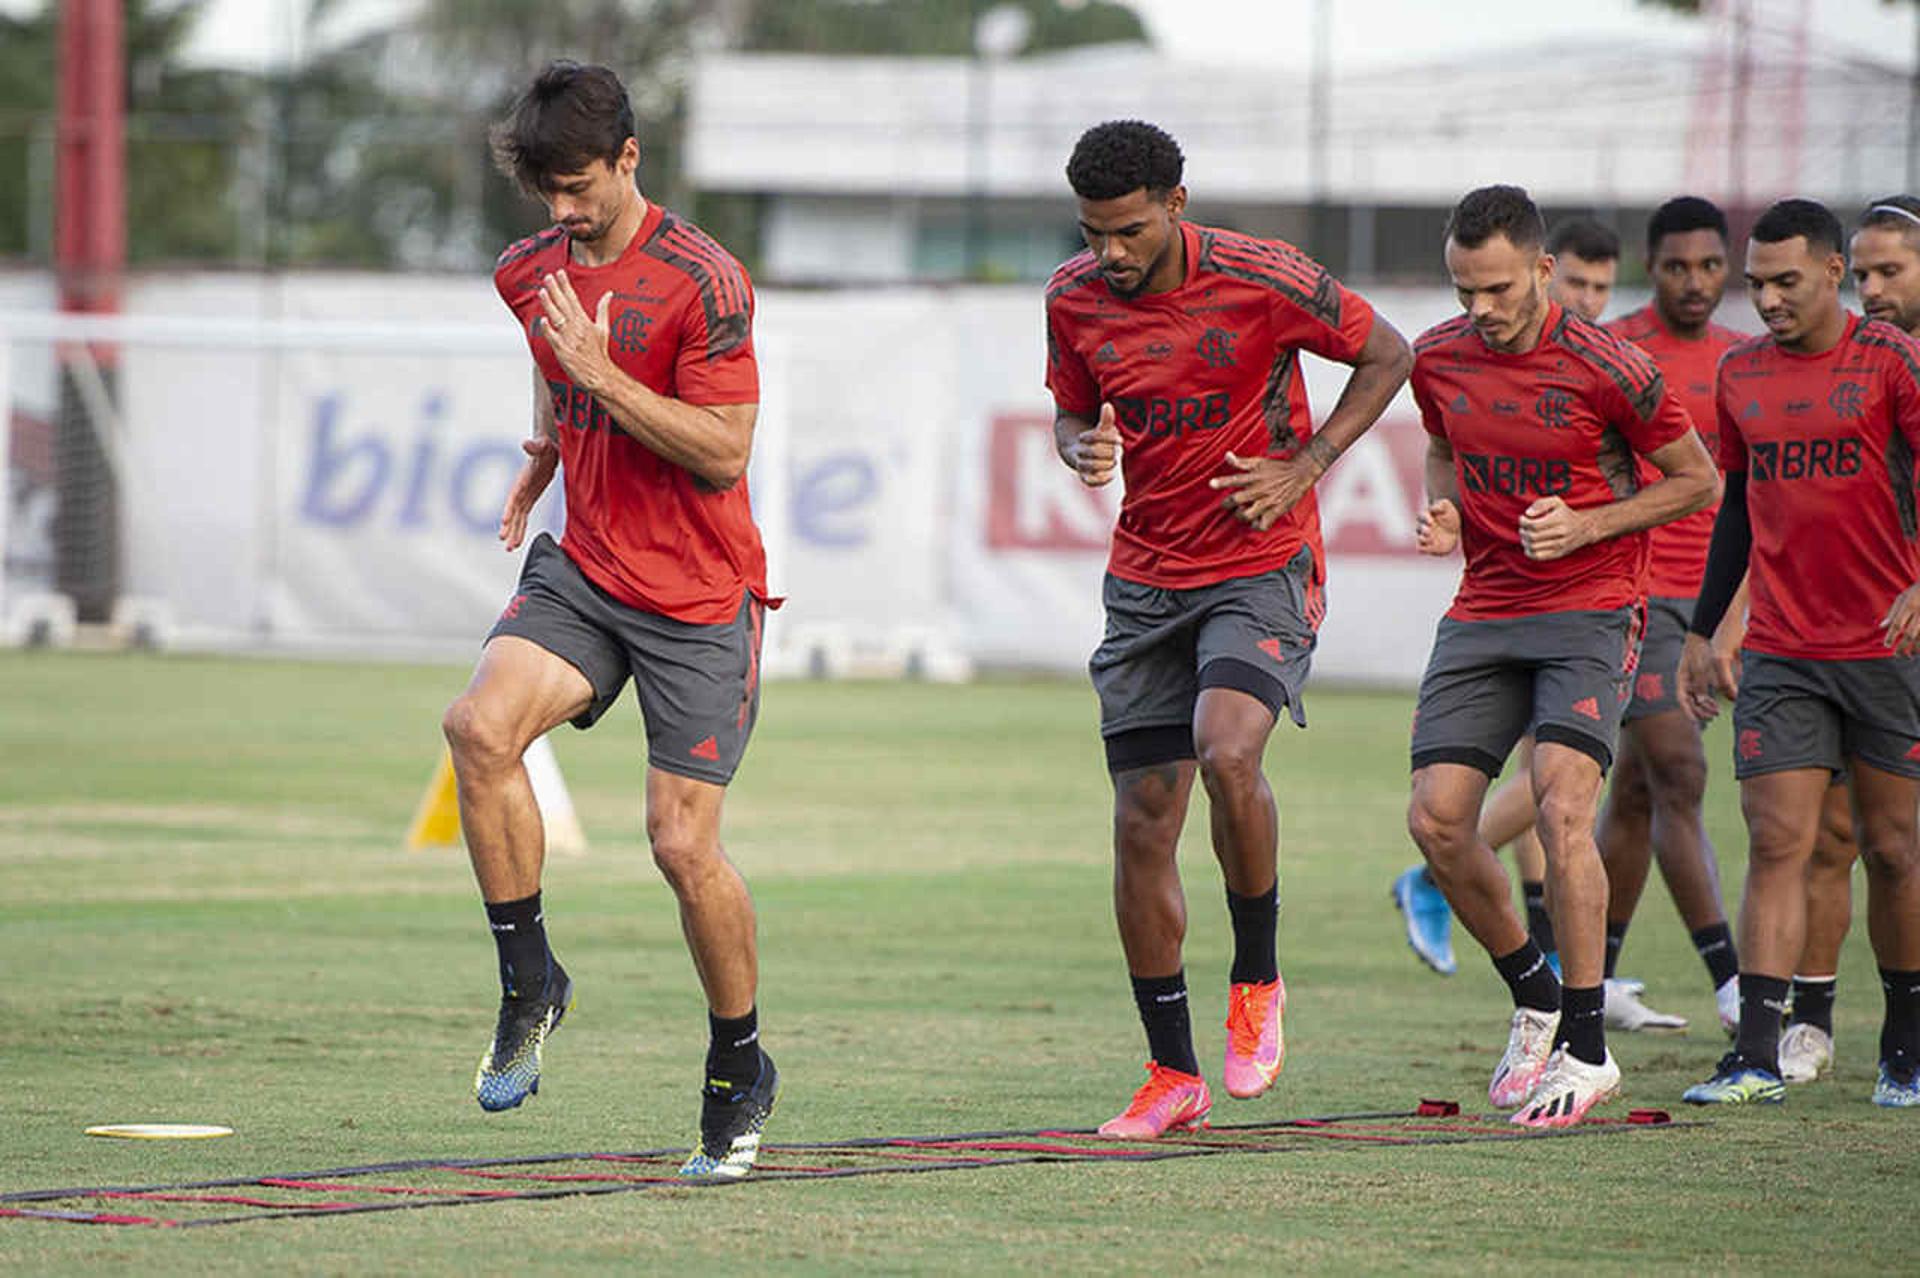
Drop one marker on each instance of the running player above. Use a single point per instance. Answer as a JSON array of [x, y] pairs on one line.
[[1886, 273], [646, 390], [1173, 356], [1653, 800], [1819, 423], [1586, 259], [1534, 418]]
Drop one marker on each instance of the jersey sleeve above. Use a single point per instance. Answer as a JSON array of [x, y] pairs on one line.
[[1074, 389], [1903, 389], [715, 363], [1319, 314], [1635, 399]]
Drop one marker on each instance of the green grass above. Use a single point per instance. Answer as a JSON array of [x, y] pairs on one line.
[[206, 916]]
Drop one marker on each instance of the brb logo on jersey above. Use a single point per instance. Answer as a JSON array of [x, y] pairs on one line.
[[1805, 459], [1515, 476], [1158, 417]]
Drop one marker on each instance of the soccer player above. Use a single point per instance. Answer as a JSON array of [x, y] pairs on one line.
[[1173, 356], [1886, 272], [1658, 783], [1586, 258], [646, 391], [1534, 419], [1819, 423]]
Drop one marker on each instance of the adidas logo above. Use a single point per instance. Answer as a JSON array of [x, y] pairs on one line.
[[1107, 354], [710, 750], [1460, 404], [1272, 648], [1588, 706]]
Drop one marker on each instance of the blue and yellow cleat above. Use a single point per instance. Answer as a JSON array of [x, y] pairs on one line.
[[730, 1125], [1429, 919], [1898, 1086], [1737, 1081], [510, 1071]]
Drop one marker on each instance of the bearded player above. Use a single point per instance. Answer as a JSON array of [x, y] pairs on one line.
[[1173, 355]]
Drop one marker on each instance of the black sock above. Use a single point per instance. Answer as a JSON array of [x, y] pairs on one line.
[[1616, 937], [1900, 1032], [1539, 922], [1162, 1001], [1255, 919], [1715, 946], [1533, 983], [733, 1051], [1763, 1003], [520, 934], [1582, 1028], [1813, 1003]]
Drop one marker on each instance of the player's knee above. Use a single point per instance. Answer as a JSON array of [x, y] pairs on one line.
[[1887, 845], [1228, 766], [1564, 818], [1835, 845], [477, 738], [1440, 835], [680, 852], [1774, 838], [1682, 779]]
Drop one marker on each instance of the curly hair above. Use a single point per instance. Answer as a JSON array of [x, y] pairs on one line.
[[1123, 156]]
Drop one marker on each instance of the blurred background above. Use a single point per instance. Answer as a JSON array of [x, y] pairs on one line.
[[261, 395]]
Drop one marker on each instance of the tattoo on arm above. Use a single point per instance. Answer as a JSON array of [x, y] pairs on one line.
[[1323, 450]]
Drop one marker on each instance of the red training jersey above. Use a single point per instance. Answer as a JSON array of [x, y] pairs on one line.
[[1208, 367], [1827, 442], [1679, 549], [643, 529], [1561, 420]]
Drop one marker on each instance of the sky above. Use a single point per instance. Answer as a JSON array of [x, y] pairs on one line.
[[1367, 34]]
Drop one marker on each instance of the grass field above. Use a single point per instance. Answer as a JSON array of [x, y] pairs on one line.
[[205, 916]]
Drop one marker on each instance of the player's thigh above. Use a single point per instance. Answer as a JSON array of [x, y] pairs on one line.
[[1879, 702], [552, 656], [1474, 698], [519, 692], [1581, 661], [1675, 757], [1785, 718], [1145, 675], [1256, 636], [699, 689]]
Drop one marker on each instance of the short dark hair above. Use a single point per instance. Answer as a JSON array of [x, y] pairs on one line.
[[1681, 214], [570, 116], [1895, 213], [1586, 239], [1785, 219], [1122, 156], [1488, 211]]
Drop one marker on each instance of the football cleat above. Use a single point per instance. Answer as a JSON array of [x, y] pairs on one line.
[[730, 1125], [1256, 1045], [1806, 1052], [1529, 1045], [510, 1070], [1168, 1101], [1726, 1001], [1737, 1081], [1429, 919], [1569, 1088], [1898, 1086], [1625, 1011]]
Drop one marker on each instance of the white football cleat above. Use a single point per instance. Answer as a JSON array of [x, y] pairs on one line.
[[1806, 1052], [1625, 1011], [1529, 1044], [1568, 1089]]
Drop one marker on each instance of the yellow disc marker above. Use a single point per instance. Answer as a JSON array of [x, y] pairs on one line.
[[159, 1131]]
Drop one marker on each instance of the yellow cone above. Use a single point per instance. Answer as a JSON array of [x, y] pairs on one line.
[[436, 823]]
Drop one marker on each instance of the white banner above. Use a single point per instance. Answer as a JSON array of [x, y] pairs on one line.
[[904, 472]]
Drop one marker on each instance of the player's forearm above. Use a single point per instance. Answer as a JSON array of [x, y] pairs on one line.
[[1377, 377], [1442, 483], [1661, 502], [713, 443]]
